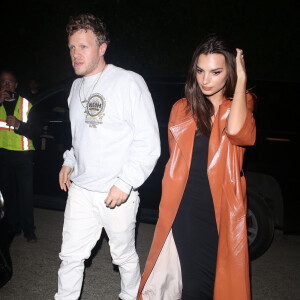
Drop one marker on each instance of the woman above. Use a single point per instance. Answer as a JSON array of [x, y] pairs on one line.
[[200, 250]]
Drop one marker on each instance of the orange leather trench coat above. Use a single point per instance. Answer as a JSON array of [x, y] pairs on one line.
[[162, 276]]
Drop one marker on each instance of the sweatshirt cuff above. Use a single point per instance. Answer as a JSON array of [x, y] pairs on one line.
[[123, 186], [68, 163]]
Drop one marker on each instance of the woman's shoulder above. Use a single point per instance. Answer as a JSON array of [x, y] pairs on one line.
[[180, 105], [180, 111]]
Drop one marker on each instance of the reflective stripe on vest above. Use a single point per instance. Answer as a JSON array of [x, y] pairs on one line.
[[3, 125], [24, 112]]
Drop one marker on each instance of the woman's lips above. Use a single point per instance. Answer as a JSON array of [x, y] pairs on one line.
[[206, 88]]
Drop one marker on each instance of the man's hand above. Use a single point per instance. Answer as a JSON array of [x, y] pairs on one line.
[[3, 95], [12, 121], [115, 197], [64, 178]]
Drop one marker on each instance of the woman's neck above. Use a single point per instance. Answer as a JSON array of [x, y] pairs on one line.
[[216, 100]]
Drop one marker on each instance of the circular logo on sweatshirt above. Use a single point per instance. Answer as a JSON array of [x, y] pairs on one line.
[[95, 110], [95, 105]]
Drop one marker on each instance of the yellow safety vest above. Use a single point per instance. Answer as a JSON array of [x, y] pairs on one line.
[[8, 138]]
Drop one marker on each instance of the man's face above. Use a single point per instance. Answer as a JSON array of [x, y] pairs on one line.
[[8, 82], [33, 84], [86, 55]]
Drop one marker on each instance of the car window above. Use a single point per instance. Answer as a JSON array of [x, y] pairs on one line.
[[52, 105]]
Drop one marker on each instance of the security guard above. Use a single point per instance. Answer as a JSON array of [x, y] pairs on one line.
[[16, 155]]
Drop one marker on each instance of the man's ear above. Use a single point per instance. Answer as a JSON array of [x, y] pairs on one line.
[[102, 49]]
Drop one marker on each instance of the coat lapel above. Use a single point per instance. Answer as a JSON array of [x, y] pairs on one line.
[[216, 135], [215, 177], [184, 133]]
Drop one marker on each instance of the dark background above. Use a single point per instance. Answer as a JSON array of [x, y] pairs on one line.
[[153, 38], [157, 39]]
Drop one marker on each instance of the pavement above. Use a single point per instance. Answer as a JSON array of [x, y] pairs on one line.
[[275, 275]]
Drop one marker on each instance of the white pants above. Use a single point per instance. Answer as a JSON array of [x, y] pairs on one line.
[[85, 216]]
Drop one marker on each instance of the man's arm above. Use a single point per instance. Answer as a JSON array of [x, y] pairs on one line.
[[145, 147], [30, 129]]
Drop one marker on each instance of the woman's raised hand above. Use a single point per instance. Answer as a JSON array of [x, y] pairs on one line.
[[240, 64]]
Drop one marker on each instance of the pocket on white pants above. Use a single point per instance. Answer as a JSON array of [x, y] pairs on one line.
[[123, 217]]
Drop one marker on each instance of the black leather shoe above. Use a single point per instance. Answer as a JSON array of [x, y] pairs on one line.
[[31, 238]]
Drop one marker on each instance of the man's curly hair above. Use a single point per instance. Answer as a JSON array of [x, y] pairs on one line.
[[89, 22]]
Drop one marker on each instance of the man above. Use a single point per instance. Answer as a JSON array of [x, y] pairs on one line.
[[16, 154], [33, 90], [115, 145]]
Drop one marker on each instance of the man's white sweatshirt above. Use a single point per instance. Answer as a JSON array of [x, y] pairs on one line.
[[123, 150]]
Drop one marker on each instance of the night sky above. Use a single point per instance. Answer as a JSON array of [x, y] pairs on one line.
[[153, 38]]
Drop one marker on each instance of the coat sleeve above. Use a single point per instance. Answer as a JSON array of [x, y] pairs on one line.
[[172, 119], [247, 134], [170, 136]]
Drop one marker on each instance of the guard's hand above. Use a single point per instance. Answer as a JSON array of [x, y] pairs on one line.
[[64, 178], [3, 95], [115, 197], [240, 64], [12, 121]]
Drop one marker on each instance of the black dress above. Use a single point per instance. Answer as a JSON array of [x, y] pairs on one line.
[[195, 230]]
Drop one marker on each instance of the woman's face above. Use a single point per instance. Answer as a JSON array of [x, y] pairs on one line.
[[211, 74]]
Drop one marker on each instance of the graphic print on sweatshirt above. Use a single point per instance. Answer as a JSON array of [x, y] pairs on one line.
[[95, 110]]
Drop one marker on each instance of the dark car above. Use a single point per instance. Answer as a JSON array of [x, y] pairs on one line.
[[6, 237], [268, 165], [50, 110]]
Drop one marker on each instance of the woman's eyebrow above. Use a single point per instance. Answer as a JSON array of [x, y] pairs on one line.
[[216, 69]]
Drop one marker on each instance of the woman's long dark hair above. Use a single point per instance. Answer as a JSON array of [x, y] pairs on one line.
[[201, 108]]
